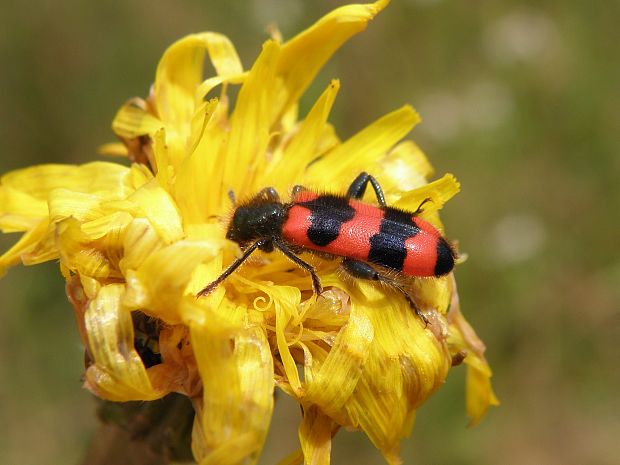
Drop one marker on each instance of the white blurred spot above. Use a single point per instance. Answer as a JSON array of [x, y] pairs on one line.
[[517, 238], [520, 36], [484, 105], [285, 14], [489, 104]]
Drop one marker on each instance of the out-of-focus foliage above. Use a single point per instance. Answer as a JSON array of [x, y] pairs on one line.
[[519, 99]]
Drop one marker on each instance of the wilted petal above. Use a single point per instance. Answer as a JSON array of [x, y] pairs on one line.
[[236, 367], [405, 365], [117, 372]]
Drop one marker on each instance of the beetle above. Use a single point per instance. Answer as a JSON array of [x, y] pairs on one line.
[[377, 243]]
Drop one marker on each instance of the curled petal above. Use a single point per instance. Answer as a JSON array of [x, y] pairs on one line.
[[117, 373], [237, 371], [178, 76]]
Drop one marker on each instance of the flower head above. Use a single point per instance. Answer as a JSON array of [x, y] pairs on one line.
[[136, 243]]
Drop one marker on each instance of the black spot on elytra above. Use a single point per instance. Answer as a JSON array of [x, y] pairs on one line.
[[445, 258], [327, 214], [387, 247]]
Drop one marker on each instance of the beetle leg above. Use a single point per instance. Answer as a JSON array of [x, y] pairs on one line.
[[316, 282], [363, 270], [359, 269], [296, 190], [420, 209], [232, 267], [269, 194], [359, 184]]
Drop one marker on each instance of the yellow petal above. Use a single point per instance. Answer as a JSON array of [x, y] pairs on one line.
[[99, 227], [335, 381], [118, 373], [113, 149], [133, 120], [315, 436], [25, 245], [409, 152], [165, 275], [20, 211], [98, 259], [250, 126], [305, 54], [155, 203], [64, 203], [439, 192], [403, 168], [286, 310], [180, 72], [433, 293], [236, 368], [479, 395], [139, 242], [196, 186], [405, 364], [302, 148], [353, 156], [44, 250], [178, 77], [294, 458], [108, 179]]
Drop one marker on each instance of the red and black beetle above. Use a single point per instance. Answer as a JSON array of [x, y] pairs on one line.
[[370, 239]]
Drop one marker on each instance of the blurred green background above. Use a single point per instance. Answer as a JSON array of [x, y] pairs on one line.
[[521, 100]]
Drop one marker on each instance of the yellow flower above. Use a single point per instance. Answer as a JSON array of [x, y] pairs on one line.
[[136, 243]]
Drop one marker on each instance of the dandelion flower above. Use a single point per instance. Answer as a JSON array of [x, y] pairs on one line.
[[136, 243]]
